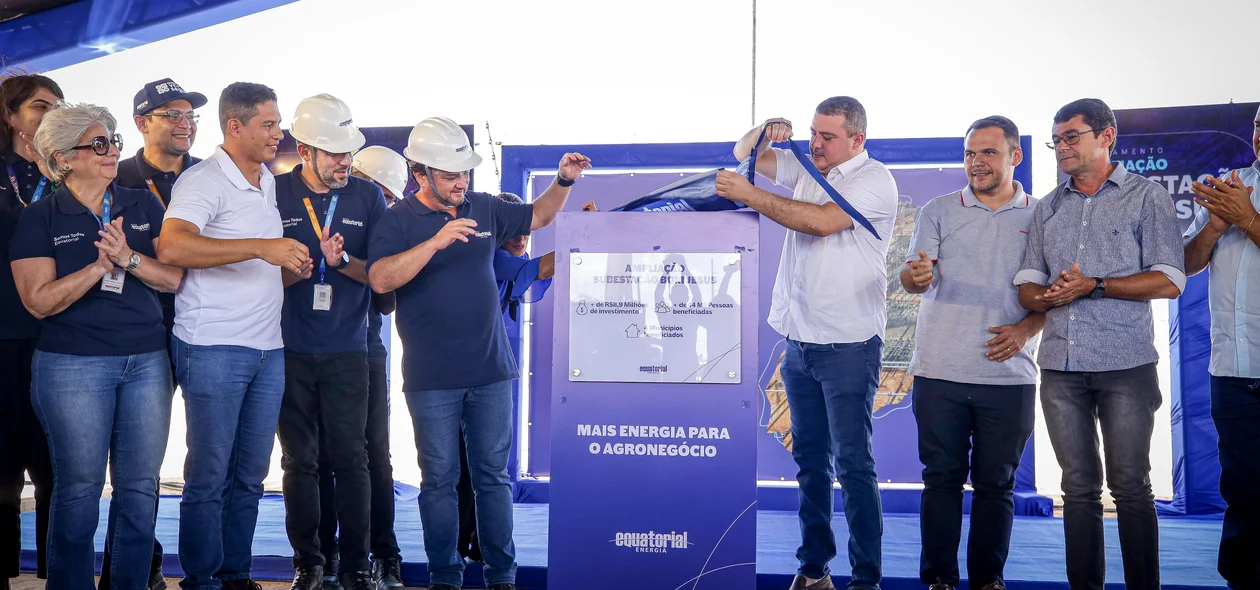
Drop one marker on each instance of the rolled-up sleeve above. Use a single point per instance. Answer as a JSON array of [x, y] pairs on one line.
[[1034, 268], [1163, 250]]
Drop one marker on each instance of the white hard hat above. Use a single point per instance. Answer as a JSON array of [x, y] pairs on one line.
[[438, 142], [384, 166], [323, 121]]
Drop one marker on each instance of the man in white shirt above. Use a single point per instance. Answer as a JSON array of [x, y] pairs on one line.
[[223, 226], [829, 302]]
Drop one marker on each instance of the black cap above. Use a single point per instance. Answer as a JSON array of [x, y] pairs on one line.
[[156, 94]]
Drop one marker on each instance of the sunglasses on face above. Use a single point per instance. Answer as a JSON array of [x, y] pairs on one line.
[[100, 144]]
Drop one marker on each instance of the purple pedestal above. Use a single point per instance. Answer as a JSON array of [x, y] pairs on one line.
[[632, 512]]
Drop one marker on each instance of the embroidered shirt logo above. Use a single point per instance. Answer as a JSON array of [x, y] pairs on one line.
[[141, 227], [482, 234]]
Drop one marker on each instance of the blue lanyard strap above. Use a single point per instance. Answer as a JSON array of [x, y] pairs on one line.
[[104, 216], [17, 189], [808, 164]]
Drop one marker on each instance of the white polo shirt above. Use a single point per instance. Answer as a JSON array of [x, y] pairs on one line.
[[235, 304], [833, 289]]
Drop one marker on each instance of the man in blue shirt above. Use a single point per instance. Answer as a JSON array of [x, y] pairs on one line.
[[1101, 246], [436, 250], [325, 333], [1224, 239]]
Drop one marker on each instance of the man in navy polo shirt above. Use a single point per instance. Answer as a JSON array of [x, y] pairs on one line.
[[163, 112], [325, 333], [437, 250]]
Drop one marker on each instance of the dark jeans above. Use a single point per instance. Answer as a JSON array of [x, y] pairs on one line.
[[23, 448], [384, 543], [325, 396], [485, 414], [1123, 404], [1236, 413], [981, 429], [831, 393], [232, 397]]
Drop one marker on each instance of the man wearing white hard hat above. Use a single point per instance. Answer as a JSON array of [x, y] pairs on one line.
[[325, 334], [436, 251]]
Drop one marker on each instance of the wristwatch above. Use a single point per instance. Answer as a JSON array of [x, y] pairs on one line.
[[1100, 289], [133, 262], [345, 259]]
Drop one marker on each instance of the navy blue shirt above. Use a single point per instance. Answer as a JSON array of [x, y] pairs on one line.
[[377, 353], [448, 316], [343, 328], [135, 172], [515, 275], [18, 324], [99, 323]]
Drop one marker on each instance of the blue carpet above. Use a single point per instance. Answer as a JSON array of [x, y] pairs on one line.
[[1188, 548]]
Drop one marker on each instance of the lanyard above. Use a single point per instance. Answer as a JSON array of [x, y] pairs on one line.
[[153, 187], [17, 190], [319, 232], [104, 217]]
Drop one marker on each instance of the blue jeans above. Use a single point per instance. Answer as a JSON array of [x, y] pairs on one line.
[[232, 398], [831, 394], [1236, 414], [98, 411], [485, 412]]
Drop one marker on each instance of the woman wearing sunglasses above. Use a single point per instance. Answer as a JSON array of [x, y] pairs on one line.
[[84, 263]]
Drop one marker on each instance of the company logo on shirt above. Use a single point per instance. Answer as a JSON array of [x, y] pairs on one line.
[[652, 542], [482, 234], [292, 221], [354, 222], [141, 227], [66, 239]]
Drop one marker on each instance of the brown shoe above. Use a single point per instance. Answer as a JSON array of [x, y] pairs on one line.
[[798, 583]]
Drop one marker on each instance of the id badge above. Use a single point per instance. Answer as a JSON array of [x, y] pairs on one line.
[[323, 297], [113, 280]]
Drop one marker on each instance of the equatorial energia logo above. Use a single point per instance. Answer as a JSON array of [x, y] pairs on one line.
[[652, 542]]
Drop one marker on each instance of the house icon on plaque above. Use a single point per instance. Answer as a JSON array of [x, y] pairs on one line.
[[632, 331]]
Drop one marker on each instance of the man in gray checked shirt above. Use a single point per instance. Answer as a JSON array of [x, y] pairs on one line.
[[1101, 246]]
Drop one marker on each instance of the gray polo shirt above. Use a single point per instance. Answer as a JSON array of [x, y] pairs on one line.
[[977, 251], [1128, 227]]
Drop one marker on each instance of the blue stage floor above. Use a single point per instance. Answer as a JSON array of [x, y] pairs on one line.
[[1188, 548]]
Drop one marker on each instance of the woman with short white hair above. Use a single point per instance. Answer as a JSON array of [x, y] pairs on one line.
[[84, 262]]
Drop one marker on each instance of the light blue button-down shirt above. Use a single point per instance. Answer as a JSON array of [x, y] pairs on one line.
[[1127, 227], [1234, 293]]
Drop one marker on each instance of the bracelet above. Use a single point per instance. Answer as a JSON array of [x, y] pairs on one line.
[[562, 181], [1253, 220]]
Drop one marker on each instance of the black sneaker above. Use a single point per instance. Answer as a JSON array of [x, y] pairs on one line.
[[331, 582], [156, 580], [308, 578], [939, 586], [443, 587], [503, 586], [241, 584], [995, 585], [387, 574], [357, 581]]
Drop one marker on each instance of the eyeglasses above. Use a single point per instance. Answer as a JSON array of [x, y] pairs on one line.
[[100, 144], [1070, 137], [453, 176], [176, 116]]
